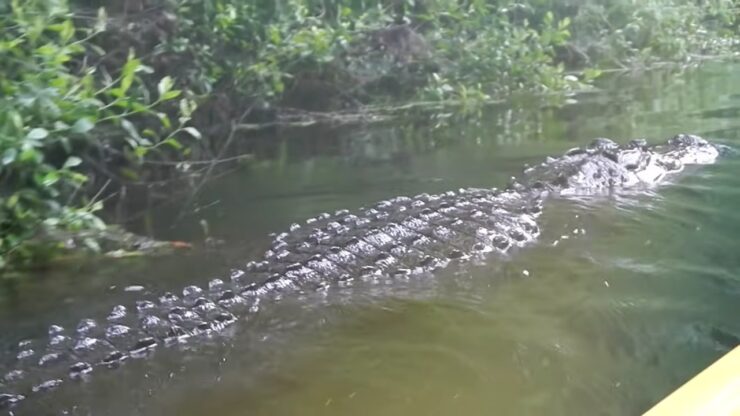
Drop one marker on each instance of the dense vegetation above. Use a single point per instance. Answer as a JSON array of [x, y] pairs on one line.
[[95, 98]]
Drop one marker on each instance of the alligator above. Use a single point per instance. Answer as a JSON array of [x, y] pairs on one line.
[[394, 239]]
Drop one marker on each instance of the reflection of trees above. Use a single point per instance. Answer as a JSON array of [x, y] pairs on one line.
[[652, 105], [627, 105]]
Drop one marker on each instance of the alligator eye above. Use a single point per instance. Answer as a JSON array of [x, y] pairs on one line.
[[294, 267]]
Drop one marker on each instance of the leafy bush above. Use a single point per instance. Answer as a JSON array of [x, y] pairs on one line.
[[54, 108]]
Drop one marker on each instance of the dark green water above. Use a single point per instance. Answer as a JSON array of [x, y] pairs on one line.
[[606, 322]]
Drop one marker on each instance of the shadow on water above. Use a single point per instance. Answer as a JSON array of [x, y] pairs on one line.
[[623, 298]]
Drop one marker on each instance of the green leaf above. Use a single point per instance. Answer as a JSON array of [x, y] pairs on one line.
[[164, 86], [170, 95], [82, 126], [141, 151], [127, 73], [131, 130], [50, 178], [16, 120], [165, 120], [37, 134], [187, 107], [47, 50], [138, 107], [60, 125], [72, 161], [64, 140], [173, 143], [564, 23], [91, 244], [129, 174], [101, 21], [149, 133], [67, 31], [193, 132], [9, 156], [145, 69], [30, 155], [13, 200], [76, 177]]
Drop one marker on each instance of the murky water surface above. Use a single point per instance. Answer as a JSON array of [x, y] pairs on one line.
[[602, 322]]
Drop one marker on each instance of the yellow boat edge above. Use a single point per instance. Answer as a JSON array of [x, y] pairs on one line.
[[713, 392]]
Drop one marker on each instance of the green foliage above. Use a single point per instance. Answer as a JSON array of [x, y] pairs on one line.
[[266, 49], [625, 33], [52, 107], [486, 50]]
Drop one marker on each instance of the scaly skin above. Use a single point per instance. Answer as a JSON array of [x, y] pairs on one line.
[[394, 239]]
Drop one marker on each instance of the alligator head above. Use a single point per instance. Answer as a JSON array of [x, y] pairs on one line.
[[605, 166]]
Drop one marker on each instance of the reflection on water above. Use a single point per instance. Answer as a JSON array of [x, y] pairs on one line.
[[620, 301]]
